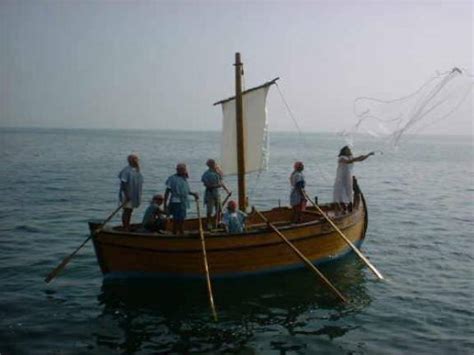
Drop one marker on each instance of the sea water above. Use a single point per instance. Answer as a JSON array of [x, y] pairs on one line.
[[420, 202]]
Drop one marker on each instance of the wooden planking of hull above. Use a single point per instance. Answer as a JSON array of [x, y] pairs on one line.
[[259, 250]]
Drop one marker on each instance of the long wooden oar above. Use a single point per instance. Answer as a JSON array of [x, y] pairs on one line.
[[206, 266], [226, 198], [308, 263], [67, 259], [219, 213], [356, 250]]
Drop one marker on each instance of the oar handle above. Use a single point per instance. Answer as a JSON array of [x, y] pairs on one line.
[[226, 198], [353, 247], [224, 186], [113, 214]]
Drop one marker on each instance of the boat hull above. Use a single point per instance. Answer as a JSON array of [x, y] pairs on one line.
[[136, 255]]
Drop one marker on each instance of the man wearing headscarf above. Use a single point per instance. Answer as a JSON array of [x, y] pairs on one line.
[[178, 191], [297, 196], [342, 193], [212, 180], [131, 182]]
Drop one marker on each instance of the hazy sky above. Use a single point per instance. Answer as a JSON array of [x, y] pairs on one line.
[[161, 64]]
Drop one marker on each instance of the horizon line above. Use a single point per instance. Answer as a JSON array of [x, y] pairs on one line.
[[207, 130]]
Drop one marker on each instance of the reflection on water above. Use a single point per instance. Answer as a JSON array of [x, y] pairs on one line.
[[167, 316]]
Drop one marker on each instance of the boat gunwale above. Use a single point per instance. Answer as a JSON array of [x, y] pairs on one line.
[[211, 249], [195, 234]]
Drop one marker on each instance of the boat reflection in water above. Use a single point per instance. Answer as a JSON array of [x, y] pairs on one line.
[[174, 316]]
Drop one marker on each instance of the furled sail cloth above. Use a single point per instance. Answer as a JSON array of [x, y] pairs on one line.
[[255, 131]]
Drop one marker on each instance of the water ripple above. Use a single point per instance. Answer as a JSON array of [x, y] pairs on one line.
[[419, 237]]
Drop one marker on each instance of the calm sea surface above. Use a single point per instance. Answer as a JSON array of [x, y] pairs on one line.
[[420, 236]]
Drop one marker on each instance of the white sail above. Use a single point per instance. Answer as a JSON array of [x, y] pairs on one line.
[[255, 132]]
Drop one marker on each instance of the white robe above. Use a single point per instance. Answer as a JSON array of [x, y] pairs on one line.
[[343, 184]]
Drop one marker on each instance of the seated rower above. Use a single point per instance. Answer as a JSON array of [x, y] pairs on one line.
[[234, 219], [154, 219]]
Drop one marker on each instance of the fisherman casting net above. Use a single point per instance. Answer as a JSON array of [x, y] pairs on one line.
[[436, 100]]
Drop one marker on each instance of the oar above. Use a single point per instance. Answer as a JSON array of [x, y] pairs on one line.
[[308, 263], [219, 213], [226, 198], [67, 259], [206, 266], [356, 250]]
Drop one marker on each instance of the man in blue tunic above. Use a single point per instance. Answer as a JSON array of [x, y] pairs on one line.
[[177, 188], [234, 219], [154, 219], [212, 180], [131, 182], [297, 195]]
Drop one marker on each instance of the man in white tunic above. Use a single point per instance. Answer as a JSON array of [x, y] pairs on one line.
[[343, 185]]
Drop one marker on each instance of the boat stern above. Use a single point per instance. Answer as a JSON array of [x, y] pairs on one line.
[[94, 228]]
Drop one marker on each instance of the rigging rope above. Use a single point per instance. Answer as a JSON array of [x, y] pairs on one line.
[[302, 138], [255, 185]]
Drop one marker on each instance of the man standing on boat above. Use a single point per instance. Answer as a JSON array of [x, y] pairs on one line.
[[297, 196], [212, 180], [131, 182], [342, 193], [177, 187]]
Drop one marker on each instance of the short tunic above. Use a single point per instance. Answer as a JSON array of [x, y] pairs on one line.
[[296, 179], [343, 185], [153, 219], [234, 221], [180, 190], [212, 180], [150, 214], [133, 181]]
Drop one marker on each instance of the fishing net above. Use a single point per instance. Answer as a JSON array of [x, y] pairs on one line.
[[389, 120]]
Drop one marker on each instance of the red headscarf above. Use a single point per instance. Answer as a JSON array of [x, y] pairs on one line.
[[298, 165]]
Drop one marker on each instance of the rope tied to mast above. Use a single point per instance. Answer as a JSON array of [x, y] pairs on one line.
[[302, 140]]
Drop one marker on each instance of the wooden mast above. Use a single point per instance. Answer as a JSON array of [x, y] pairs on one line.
[[240, 133]]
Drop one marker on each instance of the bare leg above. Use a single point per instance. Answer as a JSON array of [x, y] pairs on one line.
[[126, 217], [181, 227], [344, 207], [218, 216], [175, 227], [296, 214], [208, 221], [211, 206]]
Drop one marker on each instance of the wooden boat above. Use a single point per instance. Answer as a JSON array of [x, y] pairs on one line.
[[135, 253]]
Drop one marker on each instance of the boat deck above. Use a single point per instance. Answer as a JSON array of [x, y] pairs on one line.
[[280, 217]]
